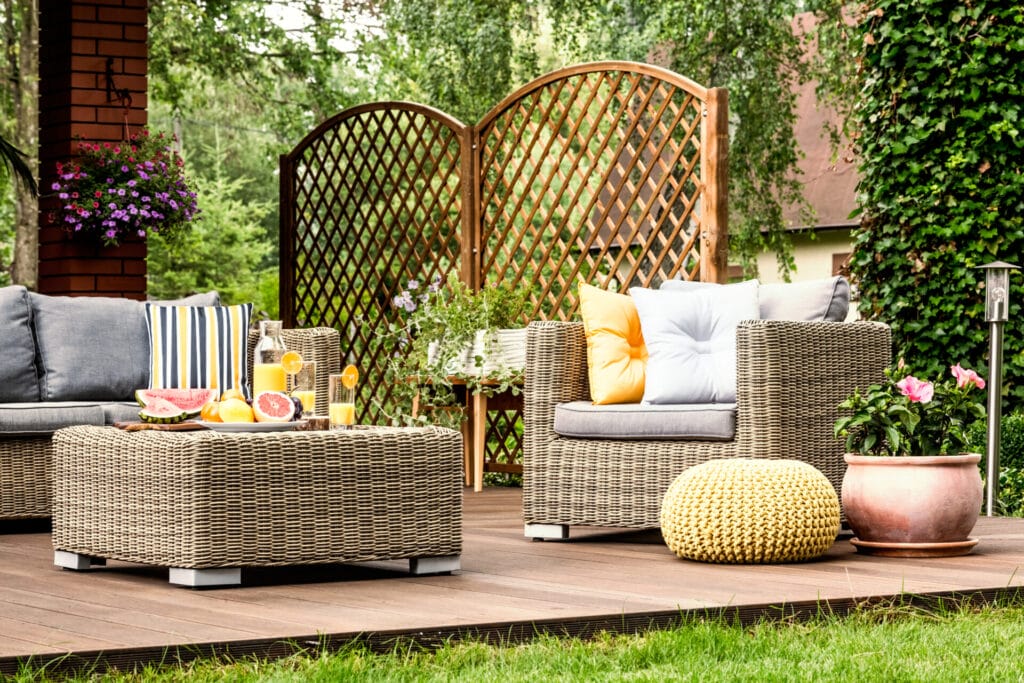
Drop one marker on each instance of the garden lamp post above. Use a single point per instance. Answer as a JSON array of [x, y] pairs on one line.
[[997, 305]]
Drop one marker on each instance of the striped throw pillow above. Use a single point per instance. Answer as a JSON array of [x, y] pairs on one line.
[[198, 347]]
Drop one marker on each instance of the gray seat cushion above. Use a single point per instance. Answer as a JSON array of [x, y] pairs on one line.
[[19, 380], [23, 419], [696, 422], [93, 348]]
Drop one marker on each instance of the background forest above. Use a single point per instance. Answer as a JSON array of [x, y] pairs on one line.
[[241, 81], [929, 94]]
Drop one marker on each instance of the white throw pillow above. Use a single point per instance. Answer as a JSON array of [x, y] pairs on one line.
[[691, 341]]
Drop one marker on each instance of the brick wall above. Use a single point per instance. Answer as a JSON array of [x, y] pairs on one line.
[[78, 39]]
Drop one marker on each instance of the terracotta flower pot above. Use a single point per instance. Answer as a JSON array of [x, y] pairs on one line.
[[917, 506]]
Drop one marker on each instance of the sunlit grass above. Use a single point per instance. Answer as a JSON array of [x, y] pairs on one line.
[[895, 642]]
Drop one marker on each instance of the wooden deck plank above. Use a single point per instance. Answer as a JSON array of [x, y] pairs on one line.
[[505, 579]]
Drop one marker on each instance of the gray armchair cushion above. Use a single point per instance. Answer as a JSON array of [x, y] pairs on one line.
[[19, 380], [696, 422], [93, 348], [827, 299]]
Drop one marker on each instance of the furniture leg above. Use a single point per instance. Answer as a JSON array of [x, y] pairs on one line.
[[479, 418], [546, 532], [203, 578], [76, 561], [435, 565]]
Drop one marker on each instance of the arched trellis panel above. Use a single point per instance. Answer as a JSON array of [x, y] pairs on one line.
[[371, 199], [612, 173]]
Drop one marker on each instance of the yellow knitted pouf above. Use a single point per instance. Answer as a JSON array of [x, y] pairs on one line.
[[742, 510]]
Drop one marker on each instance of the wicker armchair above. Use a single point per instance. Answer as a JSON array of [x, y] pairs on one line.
[[790, 378], [26, 460]]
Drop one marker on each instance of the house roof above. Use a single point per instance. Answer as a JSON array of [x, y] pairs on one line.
[[829, 184]]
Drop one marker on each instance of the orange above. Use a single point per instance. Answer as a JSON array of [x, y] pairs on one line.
[[236, 410], [350, 376], [210, 412], [291, 361], [232, 393]]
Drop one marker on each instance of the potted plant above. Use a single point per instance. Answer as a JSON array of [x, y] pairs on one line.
[[912, 486], [118, 190], [447, 334]]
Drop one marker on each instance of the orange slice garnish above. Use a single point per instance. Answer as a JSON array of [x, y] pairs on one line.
[[291, 361], [350, 376]]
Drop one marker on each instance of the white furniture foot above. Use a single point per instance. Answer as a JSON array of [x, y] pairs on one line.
[[546, 532], [202, 578], [76, 561], [435, 565]]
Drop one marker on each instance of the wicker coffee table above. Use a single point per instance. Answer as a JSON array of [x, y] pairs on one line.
[[206, 504]]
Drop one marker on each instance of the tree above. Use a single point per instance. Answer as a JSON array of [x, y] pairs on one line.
[[19, 105], [461, 56], [749, 48]]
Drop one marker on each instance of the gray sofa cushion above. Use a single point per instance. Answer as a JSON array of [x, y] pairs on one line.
[[45, 418], [827, 299], [37, 418], [93, 348], [696, 422], [19, 380]]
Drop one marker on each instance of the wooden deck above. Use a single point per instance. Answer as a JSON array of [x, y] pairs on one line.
[[509, 588]]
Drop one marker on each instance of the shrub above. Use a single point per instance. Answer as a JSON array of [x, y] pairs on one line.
[[940, 125]]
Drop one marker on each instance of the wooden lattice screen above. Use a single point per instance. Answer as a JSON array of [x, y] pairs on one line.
[[611, 173]]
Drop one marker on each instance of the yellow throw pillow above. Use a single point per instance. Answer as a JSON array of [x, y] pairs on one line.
[[616, 354]]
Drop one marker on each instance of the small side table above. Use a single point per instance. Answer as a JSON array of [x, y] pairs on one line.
[[481, 422]]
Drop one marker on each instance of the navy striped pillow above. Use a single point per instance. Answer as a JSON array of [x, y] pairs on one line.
[[198, 347]]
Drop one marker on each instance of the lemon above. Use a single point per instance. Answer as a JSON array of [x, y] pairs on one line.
[[291, 361], [235, 410], [232, 393], [350, 376]]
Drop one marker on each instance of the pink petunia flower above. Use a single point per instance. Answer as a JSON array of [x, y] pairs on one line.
[[918, 391], [965, 377]]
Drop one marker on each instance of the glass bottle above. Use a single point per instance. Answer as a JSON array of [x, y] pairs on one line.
[[267, 371]]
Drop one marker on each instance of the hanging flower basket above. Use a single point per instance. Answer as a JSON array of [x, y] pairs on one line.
[[116, 190]]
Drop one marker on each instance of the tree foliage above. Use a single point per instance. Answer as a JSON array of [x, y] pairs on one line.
[[461, 56], [749, 48], [939, 120]]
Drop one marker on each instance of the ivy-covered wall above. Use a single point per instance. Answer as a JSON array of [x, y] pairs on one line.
[[940, 119]]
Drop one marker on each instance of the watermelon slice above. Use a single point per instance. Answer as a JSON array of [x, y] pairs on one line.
[[189, 400], [162, 412]]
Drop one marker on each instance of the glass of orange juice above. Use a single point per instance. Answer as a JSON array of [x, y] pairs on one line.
[[343, 402], [304, 386]]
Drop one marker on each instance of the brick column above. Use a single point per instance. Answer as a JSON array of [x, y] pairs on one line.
[[79, 40]]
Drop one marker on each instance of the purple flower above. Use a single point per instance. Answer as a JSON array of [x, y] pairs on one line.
[[55, 186]]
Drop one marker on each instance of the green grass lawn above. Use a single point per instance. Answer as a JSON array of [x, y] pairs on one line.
[[891, 643]]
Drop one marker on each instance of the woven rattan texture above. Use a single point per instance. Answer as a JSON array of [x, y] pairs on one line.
[[747, 511], [25, 476], [319, 344], [790, 378], [205, 499]]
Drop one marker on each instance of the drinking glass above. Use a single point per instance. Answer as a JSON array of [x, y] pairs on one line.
[[304, 387], [343, 403]]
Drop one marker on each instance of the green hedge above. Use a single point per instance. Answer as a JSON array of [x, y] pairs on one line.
[[939, 119]]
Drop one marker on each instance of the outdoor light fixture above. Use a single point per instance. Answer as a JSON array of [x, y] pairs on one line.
[[997, 307]]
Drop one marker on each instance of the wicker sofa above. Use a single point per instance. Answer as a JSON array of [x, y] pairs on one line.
[[790, 378], [42, 334]]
